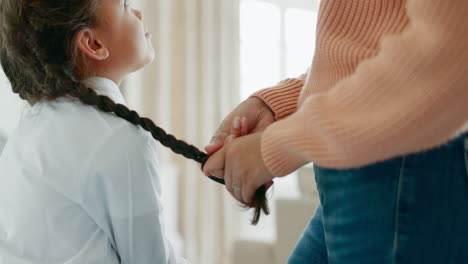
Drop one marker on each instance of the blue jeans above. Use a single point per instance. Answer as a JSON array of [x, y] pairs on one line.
[[412, 209]]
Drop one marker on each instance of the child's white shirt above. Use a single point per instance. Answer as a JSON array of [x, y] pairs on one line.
[[78, 185]]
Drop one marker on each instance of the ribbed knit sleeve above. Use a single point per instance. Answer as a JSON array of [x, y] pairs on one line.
[[412, 96], [282, 98]]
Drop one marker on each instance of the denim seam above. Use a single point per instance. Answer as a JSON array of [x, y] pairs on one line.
[[397, 209]]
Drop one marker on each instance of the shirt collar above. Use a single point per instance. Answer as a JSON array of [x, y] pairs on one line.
[[106, 87]]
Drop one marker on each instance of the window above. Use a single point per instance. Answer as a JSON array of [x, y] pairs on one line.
[[277, 41]]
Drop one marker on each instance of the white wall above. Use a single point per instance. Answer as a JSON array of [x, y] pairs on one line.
[[11, 106]]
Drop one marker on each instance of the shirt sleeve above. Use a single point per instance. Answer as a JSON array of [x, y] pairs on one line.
[[411, 97], [121, 192], [282, 98]]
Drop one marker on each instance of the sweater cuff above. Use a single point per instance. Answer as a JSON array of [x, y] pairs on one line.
[[281, 147], [282, 99]]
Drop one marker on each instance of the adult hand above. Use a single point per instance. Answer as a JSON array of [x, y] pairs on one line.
[[257, 115], [241, 165]]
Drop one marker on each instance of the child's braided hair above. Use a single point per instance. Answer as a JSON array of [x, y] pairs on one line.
[[39, 57]]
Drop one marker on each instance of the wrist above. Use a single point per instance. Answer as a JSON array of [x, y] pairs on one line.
[[262, 105]]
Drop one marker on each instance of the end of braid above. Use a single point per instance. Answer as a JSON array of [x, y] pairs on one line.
[[260, 204]]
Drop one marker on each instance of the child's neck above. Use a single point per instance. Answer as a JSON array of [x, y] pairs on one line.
[[116, 78]]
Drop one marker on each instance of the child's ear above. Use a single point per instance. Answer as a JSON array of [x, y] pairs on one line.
[[90, 45]]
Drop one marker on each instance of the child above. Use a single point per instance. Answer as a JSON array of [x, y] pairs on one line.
[[78, 185]]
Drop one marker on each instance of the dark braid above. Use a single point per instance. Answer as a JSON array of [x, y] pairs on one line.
[[39, 58], [90, 97], [104, 103]]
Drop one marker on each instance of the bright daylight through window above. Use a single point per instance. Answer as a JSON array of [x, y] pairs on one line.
[[276, 42]]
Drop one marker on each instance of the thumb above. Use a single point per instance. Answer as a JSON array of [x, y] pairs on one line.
[[213, 147], [214, 166]]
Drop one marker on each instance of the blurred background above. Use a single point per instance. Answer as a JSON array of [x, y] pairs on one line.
[[211, 55]]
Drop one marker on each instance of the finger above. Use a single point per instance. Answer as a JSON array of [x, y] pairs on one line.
[[210, 149], [228, 183], [268, 185], [235, 130], [232, 184], [244, 127], [229, 139], [248, 190], [216, 142], [228, 172], [230, 191], [215, 163], [236, 127], [237, 192], [247, 194]]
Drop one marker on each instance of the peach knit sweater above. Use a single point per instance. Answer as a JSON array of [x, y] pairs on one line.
[[389, 78]]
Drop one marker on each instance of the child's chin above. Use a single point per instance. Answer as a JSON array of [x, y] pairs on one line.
[[145, 63], [150, 58]]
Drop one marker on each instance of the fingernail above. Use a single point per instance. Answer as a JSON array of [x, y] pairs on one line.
[[244, 121], [235, 123]]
